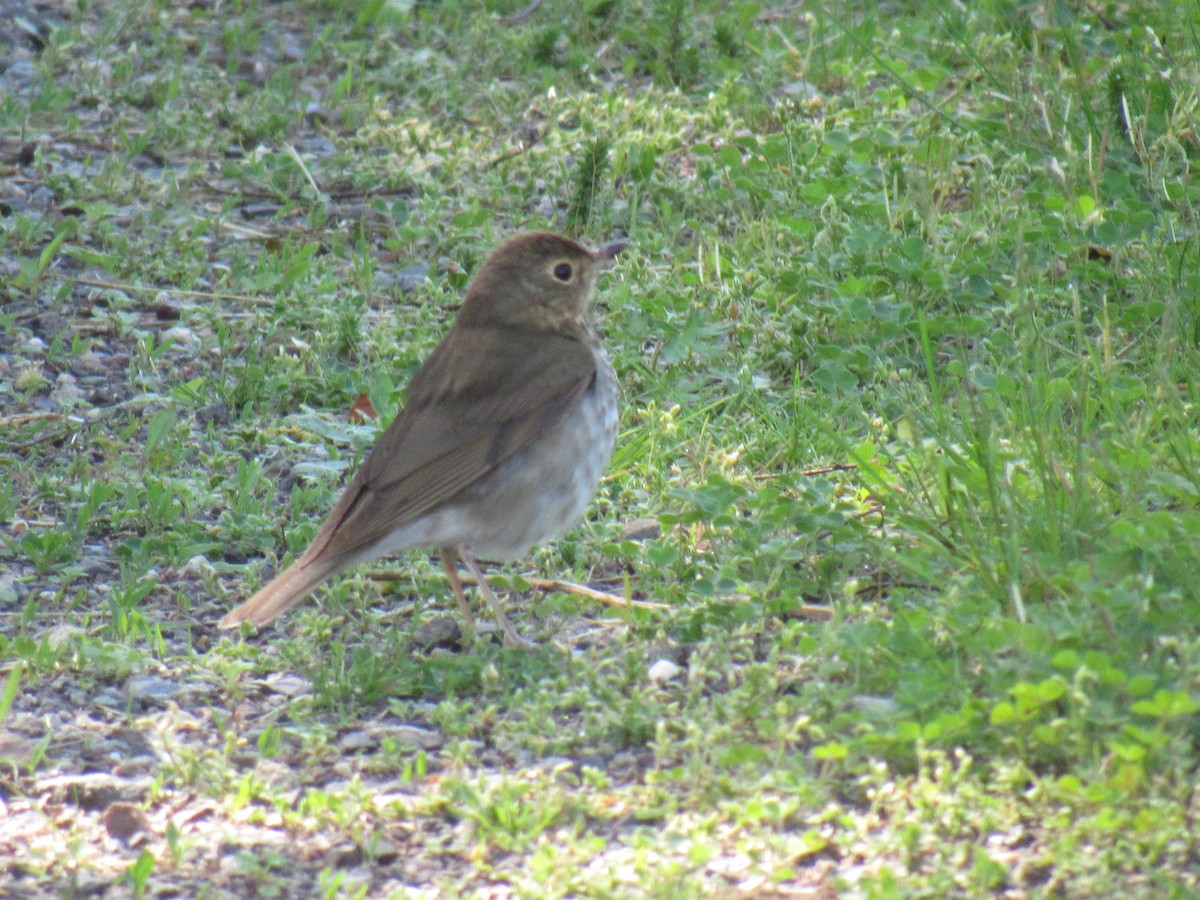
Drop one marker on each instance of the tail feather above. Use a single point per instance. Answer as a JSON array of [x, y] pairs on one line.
[[282, 593]]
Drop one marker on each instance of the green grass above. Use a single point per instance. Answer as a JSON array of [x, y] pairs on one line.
[[907, 337]]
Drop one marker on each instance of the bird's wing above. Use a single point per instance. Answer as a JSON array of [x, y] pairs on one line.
[[481, 397]]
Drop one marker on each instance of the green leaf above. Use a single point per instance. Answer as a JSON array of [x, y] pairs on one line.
[[51, 250], [159, 430], [1166, 705], [1004, 713], [833, 750], [11, 686]]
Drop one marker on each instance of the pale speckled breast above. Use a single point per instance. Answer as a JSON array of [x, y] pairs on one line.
[[533, 497], [541, 493]]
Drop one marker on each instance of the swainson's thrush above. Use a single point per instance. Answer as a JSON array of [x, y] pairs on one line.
[[505, 432]]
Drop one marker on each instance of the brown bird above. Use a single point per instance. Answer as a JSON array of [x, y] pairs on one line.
[[502, 440]]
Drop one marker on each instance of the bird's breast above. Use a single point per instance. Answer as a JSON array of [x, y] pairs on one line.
[[544, 490]]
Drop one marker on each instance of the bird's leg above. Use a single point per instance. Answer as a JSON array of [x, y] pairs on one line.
[[450, 564], [511, 638]]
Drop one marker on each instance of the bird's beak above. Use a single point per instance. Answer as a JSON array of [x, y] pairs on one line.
[[609, 251]]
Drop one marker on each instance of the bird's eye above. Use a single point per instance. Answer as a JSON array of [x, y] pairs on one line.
[[563, 272]]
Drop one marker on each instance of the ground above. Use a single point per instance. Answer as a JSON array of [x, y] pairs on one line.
[[889, 589]]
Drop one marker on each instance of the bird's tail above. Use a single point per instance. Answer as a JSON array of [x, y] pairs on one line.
[[281, 594]]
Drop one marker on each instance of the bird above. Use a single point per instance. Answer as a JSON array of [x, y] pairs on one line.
[[505, 432]]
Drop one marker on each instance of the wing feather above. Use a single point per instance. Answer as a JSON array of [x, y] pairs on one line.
[[483, 395]]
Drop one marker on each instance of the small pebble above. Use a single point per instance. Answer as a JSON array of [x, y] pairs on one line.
[[412, 277], [152, 689], [442, 631], [43, 197], [123, 820], [181, 335], [289, 684], [414, 736], [199, 566], [644, 529], [663, 670], [356, 740]]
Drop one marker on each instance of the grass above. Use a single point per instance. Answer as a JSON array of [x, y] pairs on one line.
[[907, 337]]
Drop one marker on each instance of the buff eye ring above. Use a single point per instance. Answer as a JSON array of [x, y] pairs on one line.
[[563, 272]]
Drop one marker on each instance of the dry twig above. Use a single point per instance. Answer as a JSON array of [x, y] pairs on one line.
[[547, 584]]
